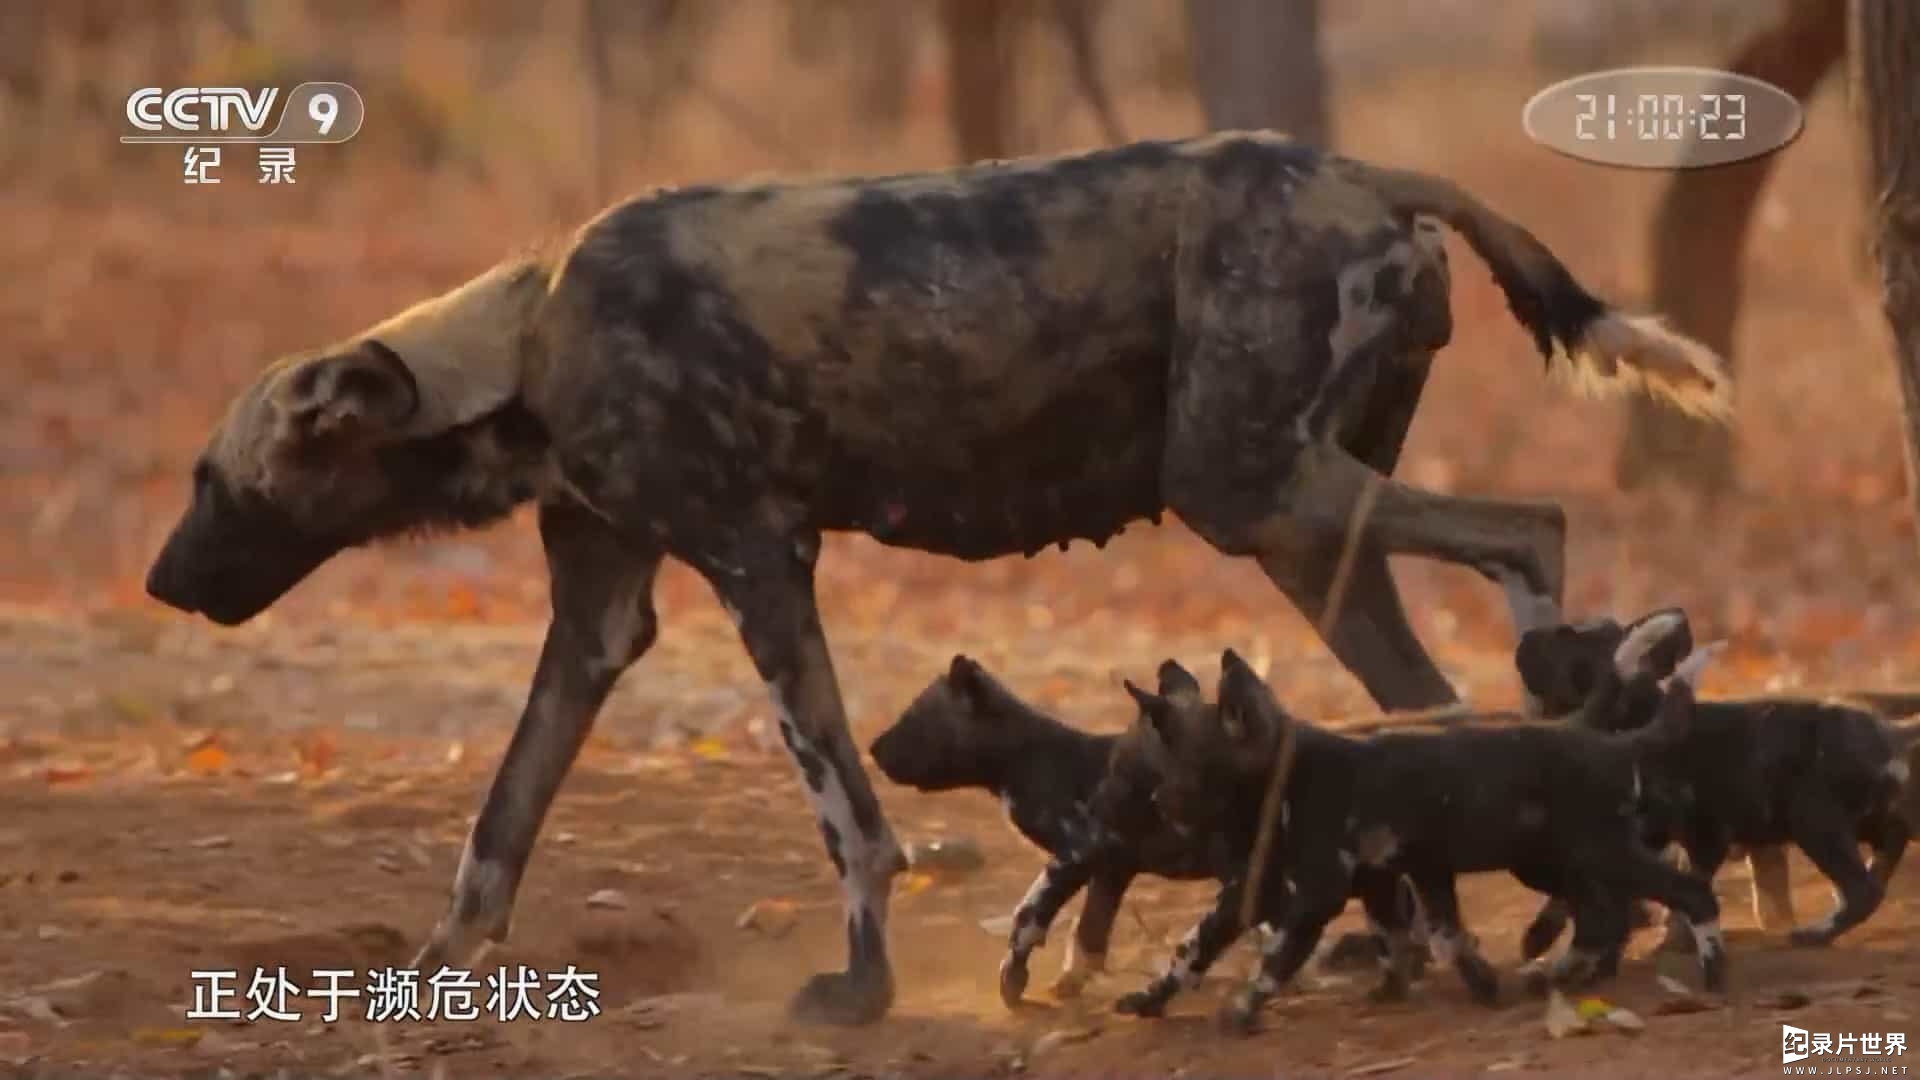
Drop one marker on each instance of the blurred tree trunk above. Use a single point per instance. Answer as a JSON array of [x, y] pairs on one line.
[[979, 101], [1886, 74], [983, 39], [1699, 234], [1257, 64]]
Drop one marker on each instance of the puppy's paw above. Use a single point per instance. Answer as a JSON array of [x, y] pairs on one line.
[[1013, 980], [1141, 1003]]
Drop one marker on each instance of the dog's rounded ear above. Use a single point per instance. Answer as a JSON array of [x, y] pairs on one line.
[[361, 393], [1557, 666], [1176, 681], [1156, 710]]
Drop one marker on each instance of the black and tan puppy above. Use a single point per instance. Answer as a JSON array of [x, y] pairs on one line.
[[1556, 805], [1825, 776], [968, 730]]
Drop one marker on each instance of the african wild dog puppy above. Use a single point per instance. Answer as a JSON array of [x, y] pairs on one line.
[[975, 362], [1825, 775], [967, 730], [1567, 667], [1556, 805]]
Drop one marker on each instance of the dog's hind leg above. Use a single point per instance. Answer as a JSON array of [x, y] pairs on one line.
[[766, 583], [1087, 951], [1890, 836], [1828, 836], [603, 620], [1370, 633], [1388, 921], [1449, 940], [1772, 886], [1631, 871]]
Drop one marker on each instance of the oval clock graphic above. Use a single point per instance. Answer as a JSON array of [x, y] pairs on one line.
[[1663, 117]]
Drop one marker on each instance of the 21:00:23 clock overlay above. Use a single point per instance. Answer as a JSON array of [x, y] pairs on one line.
[[1663, 117]]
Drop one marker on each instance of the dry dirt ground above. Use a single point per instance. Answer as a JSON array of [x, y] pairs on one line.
[[295, 793]]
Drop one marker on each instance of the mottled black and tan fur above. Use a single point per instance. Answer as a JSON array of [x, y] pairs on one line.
[[977, 362]]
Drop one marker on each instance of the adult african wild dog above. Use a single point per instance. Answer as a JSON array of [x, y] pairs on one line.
[[975, 363]]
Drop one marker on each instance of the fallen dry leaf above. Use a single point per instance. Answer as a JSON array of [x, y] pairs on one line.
[[208, 760], [1562, 1018], [774, 918], [1378, 1067], [1626, 1020], [608, 900], [67, 774], [168, 1036], [913, 884], [708, 748], [1053, 1040]]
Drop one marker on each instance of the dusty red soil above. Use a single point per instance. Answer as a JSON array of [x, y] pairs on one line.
[[296, 792]]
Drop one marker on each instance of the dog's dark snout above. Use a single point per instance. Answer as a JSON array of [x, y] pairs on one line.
[[165, 583]]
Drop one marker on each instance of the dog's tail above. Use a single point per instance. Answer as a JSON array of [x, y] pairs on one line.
[[1607, 350]]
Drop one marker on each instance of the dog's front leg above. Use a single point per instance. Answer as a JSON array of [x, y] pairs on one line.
[[1195, 953], [766, 583], [603, 620], [1056, 884]]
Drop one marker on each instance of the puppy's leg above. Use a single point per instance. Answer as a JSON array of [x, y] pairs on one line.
[[1448, 939], [1388, 922], [1087, 953], [1057, 883], [1195, 953], [1633, 871], [1545, 929], [1827, 834], [1702, 855], [1772, 886], [1318, 901], [765, 580], [1600, 921], [603, 621], [1890, 835]]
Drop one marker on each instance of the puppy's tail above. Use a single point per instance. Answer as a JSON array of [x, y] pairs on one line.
[[1607, 351]]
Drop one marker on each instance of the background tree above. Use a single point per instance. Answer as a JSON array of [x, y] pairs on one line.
[[1699, 237], [1886, 83], [1257, 64]]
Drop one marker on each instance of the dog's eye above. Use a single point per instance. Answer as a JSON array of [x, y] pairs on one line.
[[202, 475]]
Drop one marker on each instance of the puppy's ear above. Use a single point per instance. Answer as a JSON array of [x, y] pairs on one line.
[[963, 673], [1157, 711], [1654, 644], [1176, 681], [1248, 710]]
